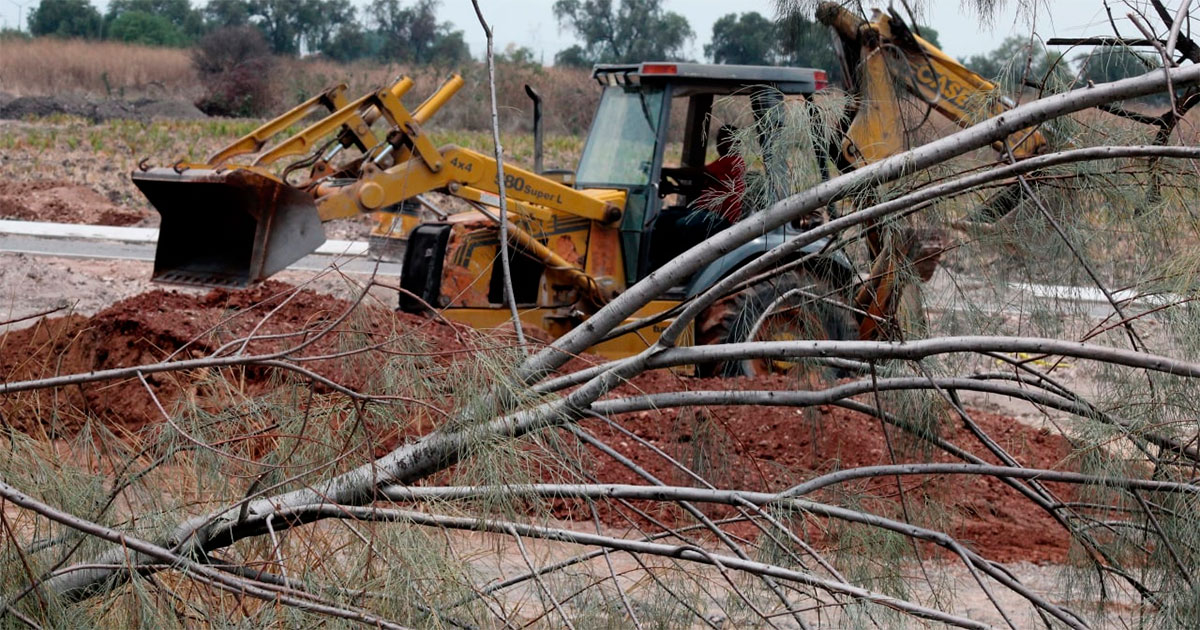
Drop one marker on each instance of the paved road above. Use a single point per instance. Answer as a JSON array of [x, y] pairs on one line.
[[943, 294], [99, 242]]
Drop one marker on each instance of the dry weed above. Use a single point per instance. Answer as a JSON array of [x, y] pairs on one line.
[[47, 66]]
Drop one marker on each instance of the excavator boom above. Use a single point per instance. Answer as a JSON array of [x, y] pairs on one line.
[[890, 54]]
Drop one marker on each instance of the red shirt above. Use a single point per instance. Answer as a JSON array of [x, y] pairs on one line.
[[724, 195]]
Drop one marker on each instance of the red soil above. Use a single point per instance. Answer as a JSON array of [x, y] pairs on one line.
[[62, 202], [158, 325], [774, 448], [751, 448]]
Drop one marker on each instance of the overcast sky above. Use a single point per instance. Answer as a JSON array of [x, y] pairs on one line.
[[531, 22]]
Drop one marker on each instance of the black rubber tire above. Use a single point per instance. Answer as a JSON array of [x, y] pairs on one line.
[[731, 319]]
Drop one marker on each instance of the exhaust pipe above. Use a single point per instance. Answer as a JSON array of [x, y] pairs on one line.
[[537, 127], [227, 228]]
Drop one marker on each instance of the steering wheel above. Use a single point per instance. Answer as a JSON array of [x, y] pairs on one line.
[[671, 184]]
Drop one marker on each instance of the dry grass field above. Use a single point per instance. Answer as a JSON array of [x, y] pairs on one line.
[[50, 67], [100, 155], [46, 67]]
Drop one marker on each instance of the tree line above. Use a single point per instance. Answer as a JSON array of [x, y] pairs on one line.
[[403, 31], [607, 31], [384, 29]]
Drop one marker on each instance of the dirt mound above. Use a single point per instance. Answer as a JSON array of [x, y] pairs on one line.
[[158, 325], [753, 448], [63, 202], [775, 448], [98, 110]]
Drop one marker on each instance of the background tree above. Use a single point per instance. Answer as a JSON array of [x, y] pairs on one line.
[[66, 18], [324, 20], [804, 42], [164, 22], [573, 57], [635, 30], [1019, 60], [351, 41], [1112, 63], [515, 55], [414, 34], [449, 48], [282, 22], [745, 39], [224, 13], [793, 40], [139, 27]]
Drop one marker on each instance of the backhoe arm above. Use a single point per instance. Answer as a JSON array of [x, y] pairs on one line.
[[931, 75], [883, 57]]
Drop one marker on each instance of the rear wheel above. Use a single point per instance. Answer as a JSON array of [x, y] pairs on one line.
[[796, 305]]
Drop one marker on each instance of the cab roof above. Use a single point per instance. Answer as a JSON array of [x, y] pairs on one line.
[[714, 78]]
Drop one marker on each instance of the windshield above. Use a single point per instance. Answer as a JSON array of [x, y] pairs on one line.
[[620, 148]]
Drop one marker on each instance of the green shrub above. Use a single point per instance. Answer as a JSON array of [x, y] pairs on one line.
[[234, 65], [139, 27]]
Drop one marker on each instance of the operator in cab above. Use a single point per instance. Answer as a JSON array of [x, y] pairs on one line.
[[716, 189]]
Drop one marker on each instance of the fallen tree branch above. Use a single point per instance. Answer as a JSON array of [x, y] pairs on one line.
[[831, 395], [444, 447], [684, 552], [139, 551], [801, 204]]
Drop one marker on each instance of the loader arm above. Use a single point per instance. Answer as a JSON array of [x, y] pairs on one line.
[[353, 121], [331, 99], [234, 224], [533, 202], [466, 174]]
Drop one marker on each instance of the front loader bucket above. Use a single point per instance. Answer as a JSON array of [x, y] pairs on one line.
[[231, 228]]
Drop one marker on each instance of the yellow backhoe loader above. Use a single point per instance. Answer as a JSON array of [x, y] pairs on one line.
[[577, 238]]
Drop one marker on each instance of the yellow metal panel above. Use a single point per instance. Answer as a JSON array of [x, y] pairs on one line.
[[398, 183], [472, 176], [876, 132], [254, 141], [632, 343], [517, 210], [479, 171], [614, 196], [604, 255], [469, 263], [431, 105], [952, 89], [963, 96], [546, 319]]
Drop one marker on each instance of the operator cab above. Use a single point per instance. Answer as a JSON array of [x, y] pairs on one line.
[[651, 136]]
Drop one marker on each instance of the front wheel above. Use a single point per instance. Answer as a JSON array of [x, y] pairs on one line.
[[793, 306]]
